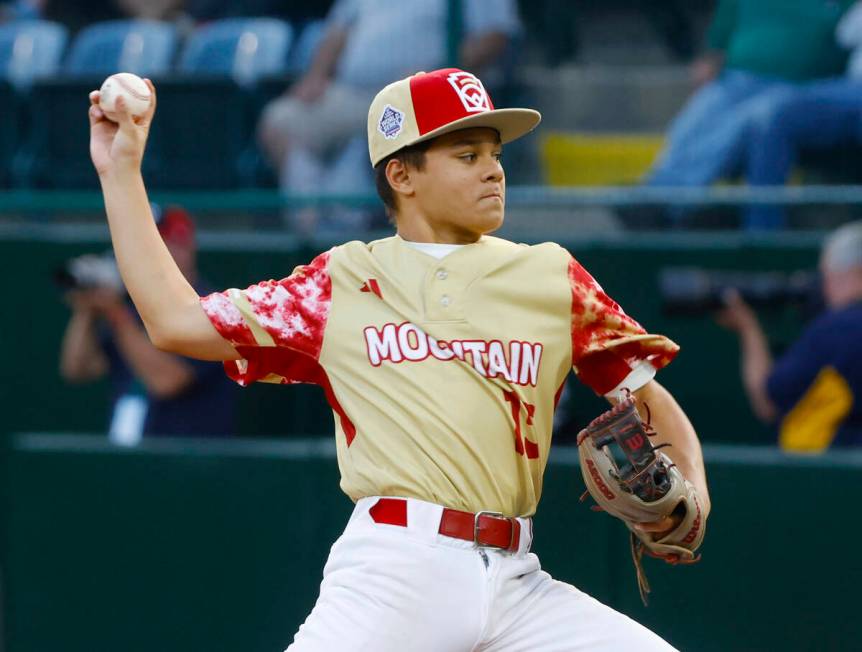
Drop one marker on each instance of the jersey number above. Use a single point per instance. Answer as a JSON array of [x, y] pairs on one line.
[[523, 446]]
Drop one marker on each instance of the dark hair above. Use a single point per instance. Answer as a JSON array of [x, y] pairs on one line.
[[412, 155]]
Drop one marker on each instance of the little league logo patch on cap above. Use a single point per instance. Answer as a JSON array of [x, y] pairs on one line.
[[390, 122], [470, 91]]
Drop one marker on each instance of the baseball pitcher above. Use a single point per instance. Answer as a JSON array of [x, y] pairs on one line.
[[442, 351]]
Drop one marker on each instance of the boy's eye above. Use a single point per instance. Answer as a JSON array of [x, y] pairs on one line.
[[472, 156]]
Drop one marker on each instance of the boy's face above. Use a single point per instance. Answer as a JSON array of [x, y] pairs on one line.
[[462, 187]]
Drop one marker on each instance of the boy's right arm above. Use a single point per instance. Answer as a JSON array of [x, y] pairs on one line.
[[169, 306]]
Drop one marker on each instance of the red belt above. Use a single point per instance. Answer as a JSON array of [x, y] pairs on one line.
[[490, 529]]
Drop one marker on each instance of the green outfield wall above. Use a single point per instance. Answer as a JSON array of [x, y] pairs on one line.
[[705, 376], [219, 546]]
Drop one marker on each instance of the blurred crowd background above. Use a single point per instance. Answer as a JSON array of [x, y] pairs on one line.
[[637, 96], [687, 149], [702, 158]]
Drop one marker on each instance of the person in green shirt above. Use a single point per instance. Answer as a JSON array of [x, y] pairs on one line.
[[759, 52]]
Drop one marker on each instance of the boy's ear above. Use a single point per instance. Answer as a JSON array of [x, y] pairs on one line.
[[399, 177]]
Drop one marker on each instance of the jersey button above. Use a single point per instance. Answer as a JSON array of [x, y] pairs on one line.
[[445, 301], [442, 274]]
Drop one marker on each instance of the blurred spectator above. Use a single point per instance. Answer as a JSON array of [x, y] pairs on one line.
[[314, 133], [816, 386], [759, 51], [820, 114], [153, 392]]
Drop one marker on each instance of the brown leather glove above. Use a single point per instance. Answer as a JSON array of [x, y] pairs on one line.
[[634, 481]]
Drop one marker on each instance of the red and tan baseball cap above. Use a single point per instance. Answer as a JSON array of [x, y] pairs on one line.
[[430, 104]]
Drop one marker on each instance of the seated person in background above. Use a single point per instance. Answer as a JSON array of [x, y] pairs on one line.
[[760, 50], [153, 392], [815, 387], [820, 114], [315, 133]]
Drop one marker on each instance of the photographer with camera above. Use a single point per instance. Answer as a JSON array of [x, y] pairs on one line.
[[815, 386], [152, 392]]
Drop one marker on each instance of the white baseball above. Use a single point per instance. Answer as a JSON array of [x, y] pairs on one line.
[[131, 88]]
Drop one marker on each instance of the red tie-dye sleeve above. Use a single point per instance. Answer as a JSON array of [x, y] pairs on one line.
[[277, 326], [606, 343]]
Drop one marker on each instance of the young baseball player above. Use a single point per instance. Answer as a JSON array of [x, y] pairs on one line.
[[442, 351]]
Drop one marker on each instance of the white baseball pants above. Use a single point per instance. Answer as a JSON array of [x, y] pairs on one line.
[[388, 588]]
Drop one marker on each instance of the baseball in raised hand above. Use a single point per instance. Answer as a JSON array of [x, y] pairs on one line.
[[119, 145]]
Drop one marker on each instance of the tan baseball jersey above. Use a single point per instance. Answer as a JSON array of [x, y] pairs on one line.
[[443, 375]]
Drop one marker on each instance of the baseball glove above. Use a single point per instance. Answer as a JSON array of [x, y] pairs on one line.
[[631, 479]]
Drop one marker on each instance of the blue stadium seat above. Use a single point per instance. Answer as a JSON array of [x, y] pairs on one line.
[[30, 50], [144, 47], [244, 49], [306, 46]]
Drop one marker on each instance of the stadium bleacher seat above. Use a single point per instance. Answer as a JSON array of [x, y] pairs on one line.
[[144, 47], [30, 50], [204, 99], [244, 49]]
